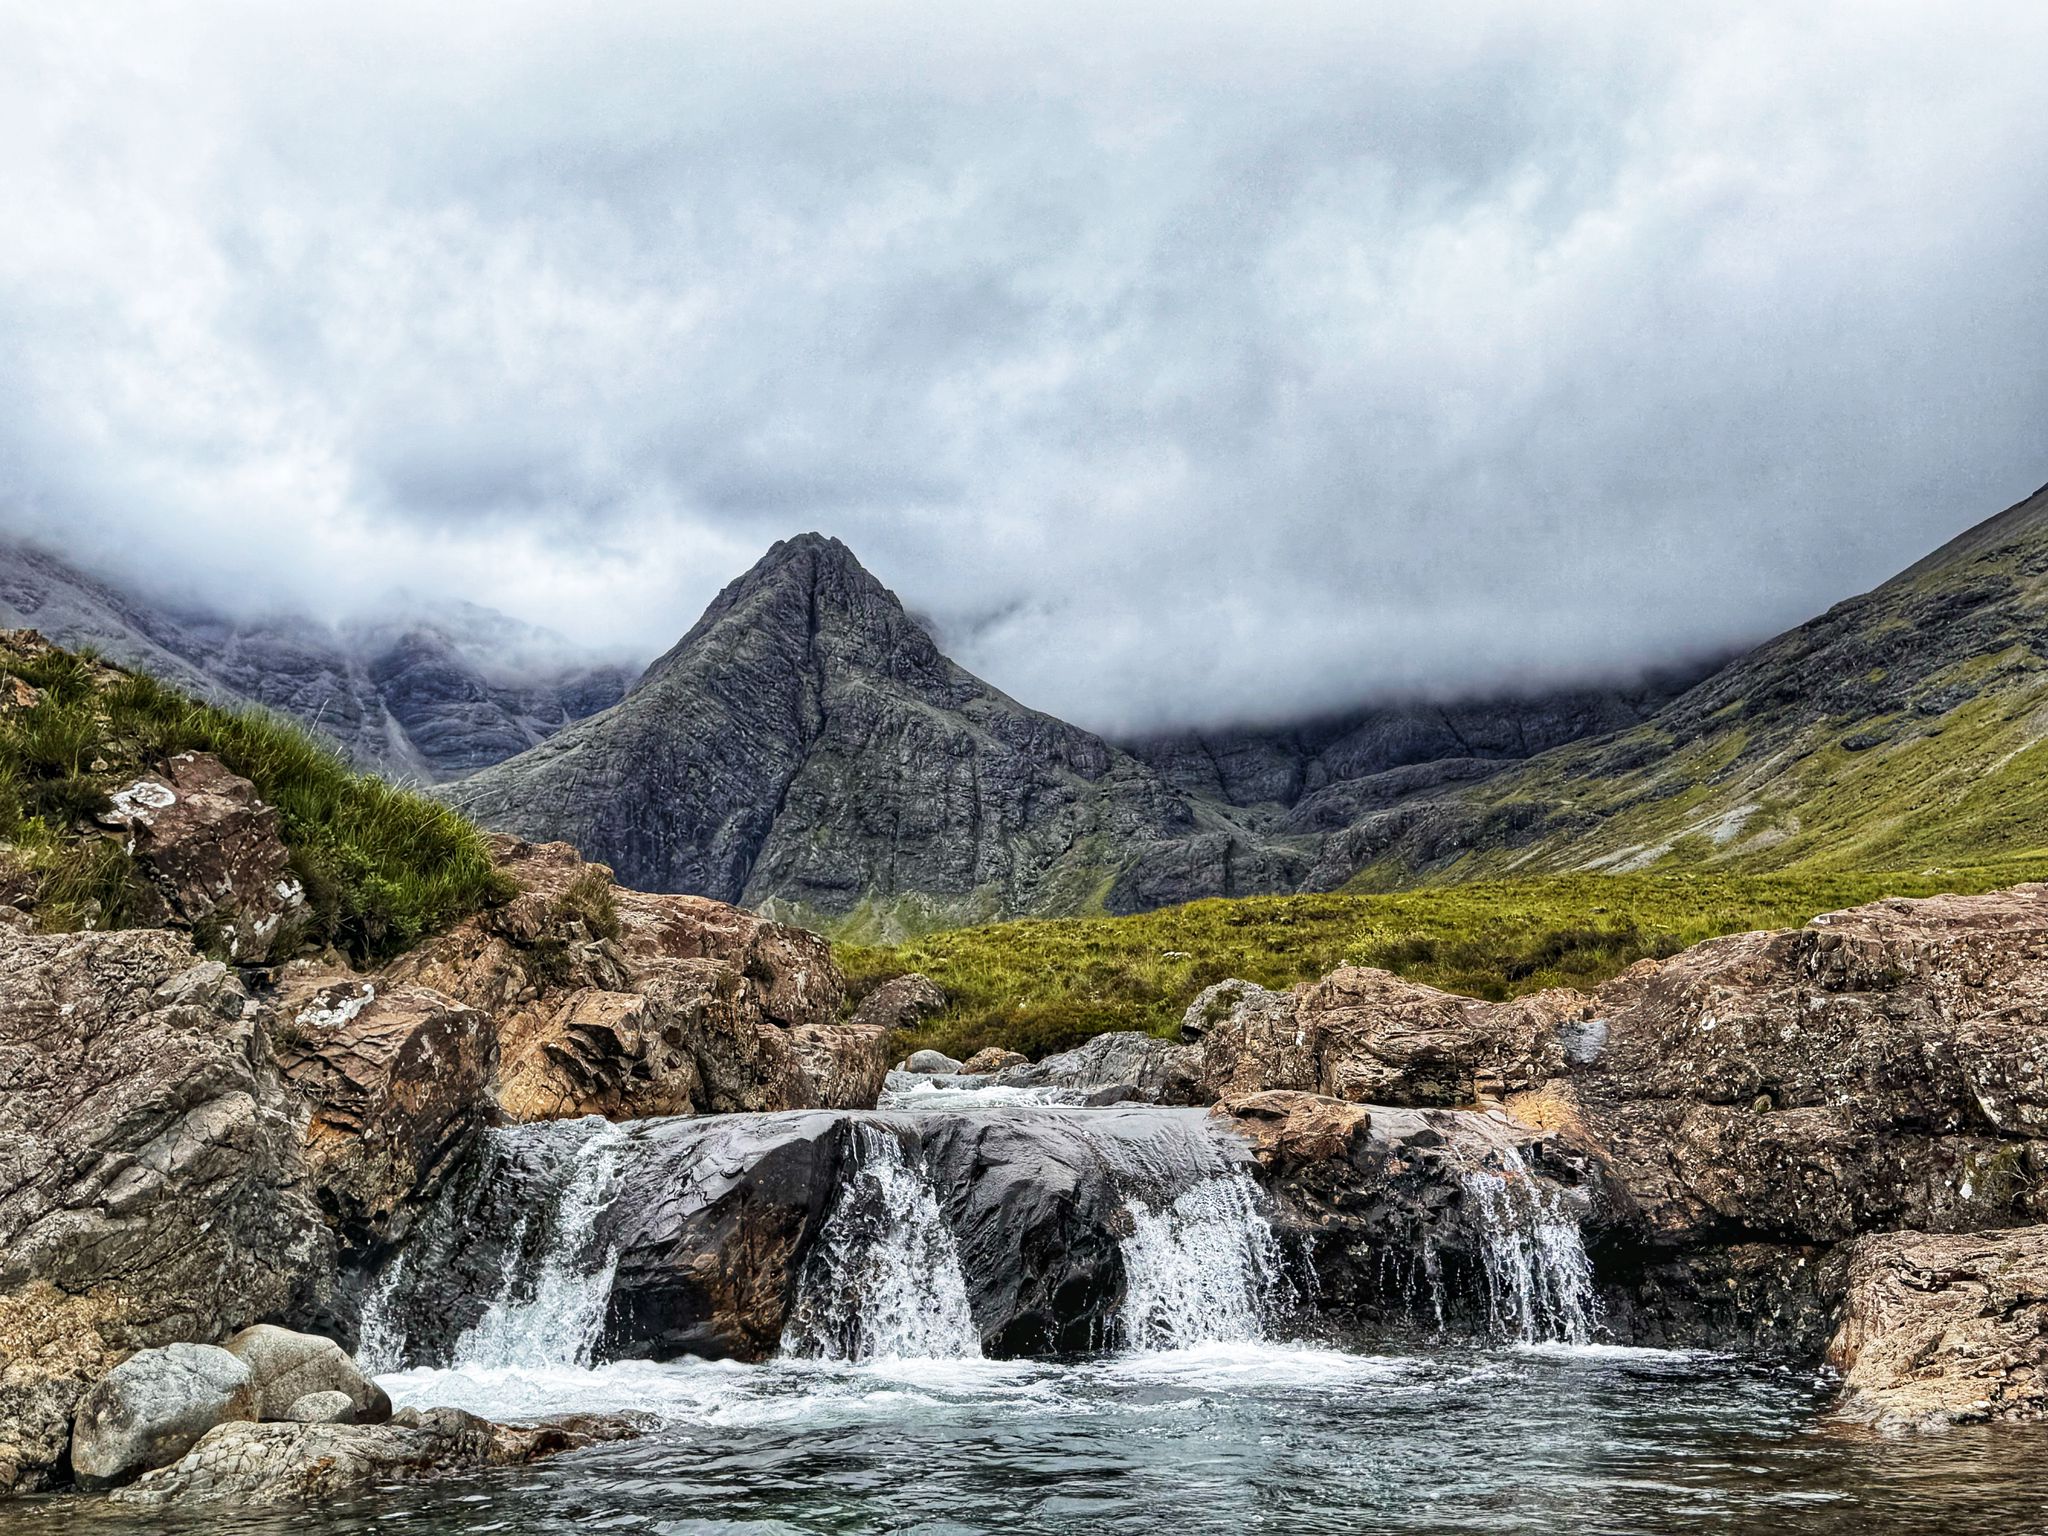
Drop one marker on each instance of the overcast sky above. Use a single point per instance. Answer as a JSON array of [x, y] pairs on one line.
[[1196, 363]]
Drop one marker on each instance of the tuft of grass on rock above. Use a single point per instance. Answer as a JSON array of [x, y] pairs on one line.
[[382, 867]]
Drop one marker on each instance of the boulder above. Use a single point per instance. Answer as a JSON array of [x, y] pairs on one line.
[[1127, 1064], [931, 1064], [1367, 1036], [1944, 1329], [285, 1366], [151, 1163], [292, 1463], [902, 1002], [992, 1058], [397, 1079], [321, 1408], [152, 1407], [212, 854]]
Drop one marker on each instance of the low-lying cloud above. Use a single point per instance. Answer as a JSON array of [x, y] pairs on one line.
[[1187, 363]]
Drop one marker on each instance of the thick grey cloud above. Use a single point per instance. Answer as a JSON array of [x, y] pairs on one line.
[[1183, 364]]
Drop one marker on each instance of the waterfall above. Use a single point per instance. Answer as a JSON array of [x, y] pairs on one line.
[[1204, 1268], [1539, 1280], [884, 1279], [552, 1316]]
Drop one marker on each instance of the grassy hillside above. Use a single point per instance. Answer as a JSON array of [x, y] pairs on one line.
[[1906, 726], [1039, 986], [381, 867]]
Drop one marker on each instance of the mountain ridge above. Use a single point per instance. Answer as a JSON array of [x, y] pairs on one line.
[[414, 696]]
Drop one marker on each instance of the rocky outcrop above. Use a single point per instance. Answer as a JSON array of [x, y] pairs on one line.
[[151, 1409], [396, 1079], [1368, 1036], [286, 1463], [1740, 1109], [1944, 1329], [626, 1004], [151, 1171], [211, 857]]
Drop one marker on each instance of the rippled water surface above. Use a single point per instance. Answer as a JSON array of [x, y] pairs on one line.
[[1227, 1438]]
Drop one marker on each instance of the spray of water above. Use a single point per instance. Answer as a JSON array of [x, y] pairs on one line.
[[552, 1315], [1202, 1269], [884, 1280], [1539, 1280]]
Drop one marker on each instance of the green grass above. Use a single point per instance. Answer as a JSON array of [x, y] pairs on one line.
[[1040, 986], [382, 867]]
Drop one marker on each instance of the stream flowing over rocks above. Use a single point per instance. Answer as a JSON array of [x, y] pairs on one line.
[[611, 1174]]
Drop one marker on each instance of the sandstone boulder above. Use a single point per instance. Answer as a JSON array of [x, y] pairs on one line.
[[1944, 1329], [152, 1407], [212, 854], [902, 1002], [396, 1079], [992, 1058], [285, 1366]]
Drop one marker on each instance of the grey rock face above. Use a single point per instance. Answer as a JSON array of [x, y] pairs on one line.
[[153, 1407], [285, 1366], [119, 1049], [1286, 765], [430, 698], [924, 1063], [152, 1182]]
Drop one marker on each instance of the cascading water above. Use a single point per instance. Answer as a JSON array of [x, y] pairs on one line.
[[1539, 1280], [548, 1313], [1202, 1269], [884, 1280]]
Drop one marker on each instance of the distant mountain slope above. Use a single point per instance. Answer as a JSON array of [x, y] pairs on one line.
[[1283, 765], [806, 743], [425, 698], [1903, 727]]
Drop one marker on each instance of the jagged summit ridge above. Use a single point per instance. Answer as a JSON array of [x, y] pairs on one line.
[[807, 742]]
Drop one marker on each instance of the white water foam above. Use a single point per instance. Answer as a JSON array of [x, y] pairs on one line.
[[554, 1318], [1539, 1280], [1204, 1269], [884, 1281]]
